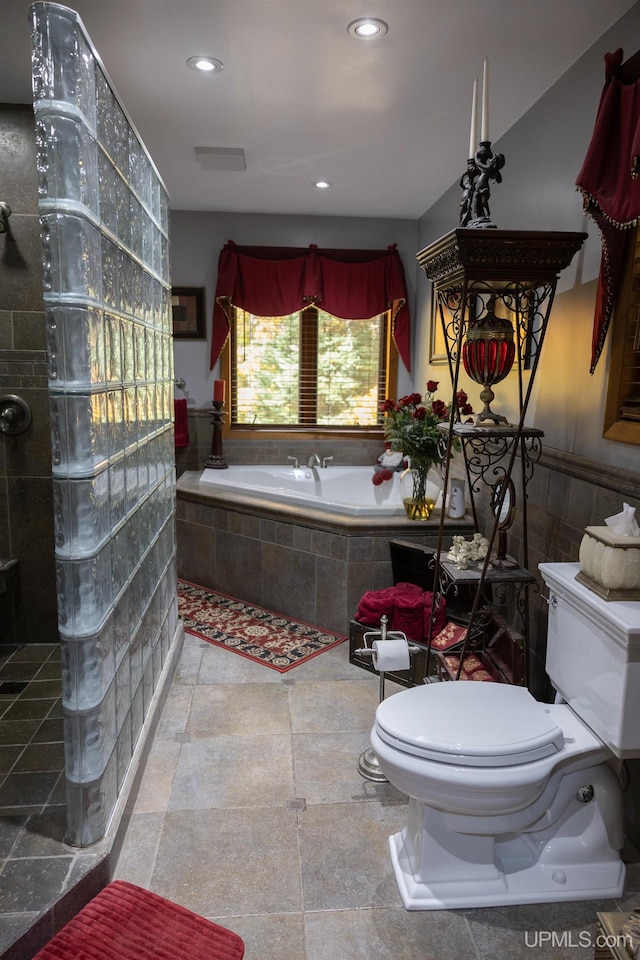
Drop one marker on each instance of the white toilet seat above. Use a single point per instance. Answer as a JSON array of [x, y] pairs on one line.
[[470, 724]]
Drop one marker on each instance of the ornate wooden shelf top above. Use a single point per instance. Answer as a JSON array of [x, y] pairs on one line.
[[501, 256]]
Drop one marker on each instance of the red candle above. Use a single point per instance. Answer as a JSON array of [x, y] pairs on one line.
[[218, 391]]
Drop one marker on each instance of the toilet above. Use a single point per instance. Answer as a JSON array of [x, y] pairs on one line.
[[512, 800]]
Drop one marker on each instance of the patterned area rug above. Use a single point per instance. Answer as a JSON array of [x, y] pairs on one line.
[[253, 632]]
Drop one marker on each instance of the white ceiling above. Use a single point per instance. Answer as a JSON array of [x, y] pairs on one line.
[[386, 121]]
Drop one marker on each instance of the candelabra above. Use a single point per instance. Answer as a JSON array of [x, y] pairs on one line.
[[216, 461], [482, 168]]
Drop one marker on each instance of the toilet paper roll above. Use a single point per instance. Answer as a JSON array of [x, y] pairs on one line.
[[392, 654]]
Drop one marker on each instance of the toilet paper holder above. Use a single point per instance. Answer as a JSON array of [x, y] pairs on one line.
[[368, 766]]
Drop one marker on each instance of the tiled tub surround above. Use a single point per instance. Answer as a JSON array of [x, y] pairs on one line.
[[307, 564], [107, 294]]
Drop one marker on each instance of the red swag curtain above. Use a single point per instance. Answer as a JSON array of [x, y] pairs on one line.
[[610, 181], [276, 281]]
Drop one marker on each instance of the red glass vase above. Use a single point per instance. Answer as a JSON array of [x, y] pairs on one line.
[[487, 355]]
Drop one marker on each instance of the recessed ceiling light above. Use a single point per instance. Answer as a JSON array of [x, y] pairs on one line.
[[366, 27], [205, 64], [321, 184]]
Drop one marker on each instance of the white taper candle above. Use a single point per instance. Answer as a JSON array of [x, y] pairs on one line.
[[484, 127], [473, 135]]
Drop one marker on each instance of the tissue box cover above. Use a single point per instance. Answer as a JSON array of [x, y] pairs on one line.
[[610, 564]]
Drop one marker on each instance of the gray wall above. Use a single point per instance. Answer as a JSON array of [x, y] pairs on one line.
[[544, 152], [26, 502]]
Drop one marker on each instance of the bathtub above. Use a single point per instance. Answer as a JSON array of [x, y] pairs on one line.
[[347, 491]]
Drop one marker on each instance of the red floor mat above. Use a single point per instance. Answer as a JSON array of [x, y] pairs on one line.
[[125, 922]]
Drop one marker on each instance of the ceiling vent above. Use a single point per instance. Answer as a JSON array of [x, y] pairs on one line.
[[221, 158]]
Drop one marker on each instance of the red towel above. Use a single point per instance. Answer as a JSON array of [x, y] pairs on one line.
[[376, 604], [181, 430], [408, 589], [408, 616]]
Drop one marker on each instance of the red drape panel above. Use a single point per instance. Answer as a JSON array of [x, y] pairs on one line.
[[610, 184], [275, 281]]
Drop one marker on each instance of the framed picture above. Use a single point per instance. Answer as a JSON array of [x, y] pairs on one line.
[[187, 306], [437, 345]]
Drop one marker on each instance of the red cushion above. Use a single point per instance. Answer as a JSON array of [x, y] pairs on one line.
[[125, 922]]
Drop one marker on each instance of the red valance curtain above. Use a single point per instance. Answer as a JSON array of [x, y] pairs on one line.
[[610, 181], [276, 281]]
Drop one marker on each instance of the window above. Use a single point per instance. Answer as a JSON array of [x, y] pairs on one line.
[[308, 370]]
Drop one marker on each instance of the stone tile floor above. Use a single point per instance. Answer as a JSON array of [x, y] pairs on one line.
[[36, 866], [251, 812]]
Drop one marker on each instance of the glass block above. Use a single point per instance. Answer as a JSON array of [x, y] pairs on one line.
[[152, 461], [108, 185], [125, 276], [137, 291], [147, 686], [164, 215], [137, 712], [135, 163], [121, 560], [110, 276], [84, 591], [165, 640], [76, 347], [157, 660], [165, 260], [120, 136], [146, 176], [136, 221], [122, 211], [143, 471], [140, 352], [148, 246], [63, 65], [71, 256], [132, 532], [121, 625], [81, 514], [123, 691], [124, 751], [135, 661], [128, 351], [115, 423], [105, 105], [113, 348], [117, 495], [92, 736], [67, 163], [79, 436], [131, 479], [130, 414], [90, 805], [88, 667]]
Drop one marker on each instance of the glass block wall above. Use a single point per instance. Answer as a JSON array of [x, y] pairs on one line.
[[105, 252]]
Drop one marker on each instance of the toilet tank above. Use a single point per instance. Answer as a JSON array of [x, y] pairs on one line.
[[593, 657]]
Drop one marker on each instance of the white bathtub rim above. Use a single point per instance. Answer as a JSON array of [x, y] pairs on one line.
[[220, 481]]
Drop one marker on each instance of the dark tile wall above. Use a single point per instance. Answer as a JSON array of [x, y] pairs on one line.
[[26, 505]]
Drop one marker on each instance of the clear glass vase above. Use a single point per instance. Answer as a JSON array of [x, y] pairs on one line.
[[421, 489]]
